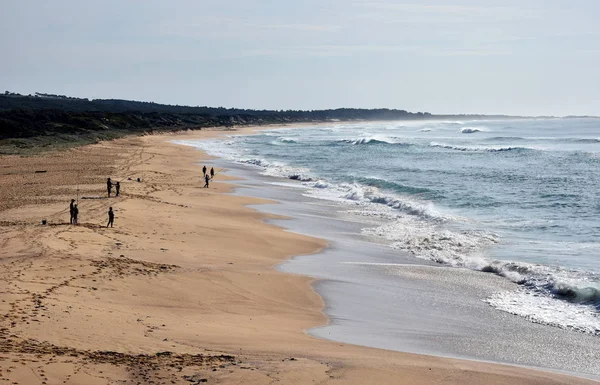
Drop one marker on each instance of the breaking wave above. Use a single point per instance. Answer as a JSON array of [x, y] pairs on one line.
[[357, 194], [471, 130], [287, 140], [279, 169], [478, 148], [373, 140], [547, 289]]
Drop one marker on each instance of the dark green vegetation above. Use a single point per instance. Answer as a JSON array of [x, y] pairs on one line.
[[27, 130], [44, 121]]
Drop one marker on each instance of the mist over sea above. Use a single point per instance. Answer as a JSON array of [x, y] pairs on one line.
[[515, 198]]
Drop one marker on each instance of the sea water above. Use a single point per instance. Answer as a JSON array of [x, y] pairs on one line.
[[511, 198]]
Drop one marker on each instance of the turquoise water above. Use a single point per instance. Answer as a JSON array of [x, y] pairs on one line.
[[516, 198]]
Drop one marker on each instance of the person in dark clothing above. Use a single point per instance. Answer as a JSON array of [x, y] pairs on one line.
[[212, 173], [204, 170], [71, 210], [109, 186], [206, 179], [111, 217], [75, 215], [117, 188]]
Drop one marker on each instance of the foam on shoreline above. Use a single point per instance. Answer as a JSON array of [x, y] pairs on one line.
[[347, 319], [425, 232]]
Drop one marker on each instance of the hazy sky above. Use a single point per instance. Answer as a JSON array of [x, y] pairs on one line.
[[486, 56]]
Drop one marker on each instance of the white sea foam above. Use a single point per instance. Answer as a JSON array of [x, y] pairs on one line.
[[288, 140], [357, 194], [472, 130], [546, 310], [321, 184], [431, 241], [283, 170]]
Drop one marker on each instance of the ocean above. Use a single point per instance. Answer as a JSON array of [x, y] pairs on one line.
[[511, 204]]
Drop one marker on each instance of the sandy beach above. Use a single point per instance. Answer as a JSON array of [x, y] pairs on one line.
[[182, 290]]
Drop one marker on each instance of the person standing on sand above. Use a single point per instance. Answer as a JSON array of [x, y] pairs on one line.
[[111, 217], [72, 210], [212, 172], [204, 170], [75, 215], [109, 185], [117, 188], [206, 179]]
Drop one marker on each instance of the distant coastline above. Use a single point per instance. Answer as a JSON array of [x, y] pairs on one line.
[[33, 123]]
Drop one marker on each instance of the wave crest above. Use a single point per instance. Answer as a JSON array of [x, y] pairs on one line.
[[373, 141], [587, 140], [360, 194], [582, 294], [471, 130], [478, 149], [365, 141]]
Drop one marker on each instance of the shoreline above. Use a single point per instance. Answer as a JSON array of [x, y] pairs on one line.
[[383, 282], [240, 172], [185, 271]]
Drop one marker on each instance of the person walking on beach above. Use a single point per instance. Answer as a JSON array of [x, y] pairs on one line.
[[111, 217], [75, 215], [212, 172], [117, 188], [72, 210], [204, 170], [109, 185], [206, 179]]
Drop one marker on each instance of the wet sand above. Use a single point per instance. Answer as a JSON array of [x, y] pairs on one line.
[[381, 297], [182, 290]]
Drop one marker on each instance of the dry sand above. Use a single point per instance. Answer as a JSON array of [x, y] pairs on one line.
[[181, 291]]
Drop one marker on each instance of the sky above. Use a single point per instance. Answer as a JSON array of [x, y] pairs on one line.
[[527, 57]]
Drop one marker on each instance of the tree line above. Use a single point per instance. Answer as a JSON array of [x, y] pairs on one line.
[[25, 116]]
